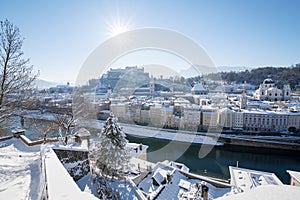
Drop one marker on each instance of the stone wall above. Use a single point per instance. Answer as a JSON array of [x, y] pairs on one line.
[[75, 161]]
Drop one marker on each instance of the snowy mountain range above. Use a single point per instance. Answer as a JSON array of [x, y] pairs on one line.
[[43, 84]]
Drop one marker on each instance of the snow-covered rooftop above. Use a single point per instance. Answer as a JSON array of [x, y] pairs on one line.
[[265, 112], [198, 87], [136, 149], [246, 179], [266, 192], [294, 174], [167, 182], [82, 132]]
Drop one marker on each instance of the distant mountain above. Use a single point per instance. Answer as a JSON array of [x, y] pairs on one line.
[[235, 69], [157, 71], [43, 84], [197, 70]]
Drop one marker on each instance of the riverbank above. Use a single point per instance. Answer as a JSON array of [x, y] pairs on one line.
[[158, 133], [262, 142], [286, 142]]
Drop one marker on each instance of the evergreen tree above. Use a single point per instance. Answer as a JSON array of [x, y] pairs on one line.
[[110, 154]]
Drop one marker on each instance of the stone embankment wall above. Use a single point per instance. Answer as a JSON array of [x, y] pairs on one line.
[[260, 143]]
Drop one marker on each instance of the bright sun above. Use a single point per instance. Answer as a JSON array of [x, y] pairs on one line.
[[118, 26]]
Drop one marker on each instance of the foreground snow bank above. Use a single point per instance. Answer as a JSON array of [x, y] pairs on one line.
[[19, 170]]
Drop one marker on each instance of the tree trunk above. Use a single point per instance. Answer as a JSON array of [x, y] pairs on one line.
[[4, 78]]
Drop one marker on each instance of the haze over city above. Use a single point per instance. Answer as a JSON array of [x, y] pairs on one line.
[[59, 35]]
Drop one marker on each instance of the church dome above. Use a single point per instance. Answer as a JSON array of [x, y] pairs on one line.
[[268, 81], [198, 88]]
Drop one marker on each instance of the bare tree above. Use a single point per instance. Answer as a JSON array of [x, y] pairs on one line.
[[65, 122], [16, 74], [42, 126]]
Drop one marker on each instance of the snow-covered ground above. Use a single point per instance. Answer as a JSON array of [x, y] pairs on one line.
[[19, 170]]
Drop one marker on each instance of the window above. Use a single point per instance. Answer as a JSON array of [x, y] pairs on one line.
[[270, 94], [262, 93], [287, 93], [276, 94]]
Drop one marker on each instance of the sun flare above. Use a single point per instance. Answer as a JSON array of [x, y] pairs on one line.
[[118, 26]]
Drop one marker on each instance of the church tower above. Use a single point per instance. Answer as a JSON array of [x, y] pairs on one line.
[[109, 91], [286, 92], [152, 86], [243, 101]]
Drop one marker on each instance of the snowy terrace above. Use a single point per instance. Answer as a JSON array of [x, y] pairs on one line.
[[25, 174], [19, 170], [60, 185]]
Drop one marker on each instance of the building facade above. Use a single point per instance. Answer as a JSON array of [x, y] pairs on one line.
[[269, 92], [262, 121], [191, 119]]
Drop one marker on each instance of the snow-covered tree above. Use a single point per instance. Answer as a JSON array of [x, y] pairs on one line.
[[110, 154]]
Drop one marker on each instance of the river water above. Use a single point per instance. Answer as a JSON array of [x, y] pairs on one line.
[[216, 162]]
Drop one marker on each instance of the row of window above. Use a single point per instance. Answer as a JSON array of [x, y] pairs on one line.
[[270, 94], [260, 129], [267, 121], [264, 125]]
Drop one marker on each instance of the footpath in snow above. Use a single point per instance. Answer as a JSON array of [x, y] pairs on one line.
[[19, 170]]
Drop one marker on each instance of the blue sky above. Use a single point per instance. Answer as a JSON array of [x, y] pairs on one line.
[[59, 35]]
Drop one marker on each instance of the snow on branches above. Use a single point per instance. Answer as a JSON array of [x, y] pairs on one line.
[[109, 155]]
